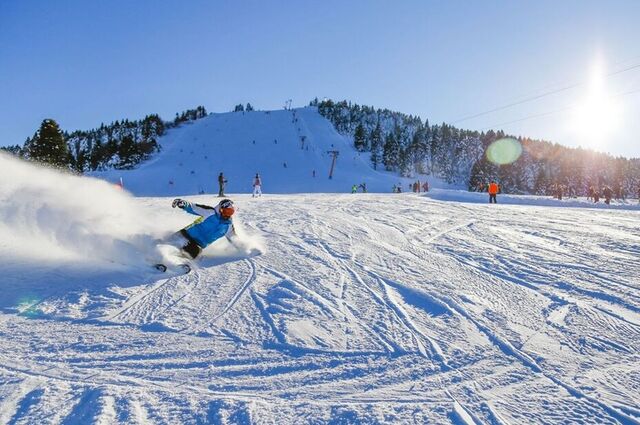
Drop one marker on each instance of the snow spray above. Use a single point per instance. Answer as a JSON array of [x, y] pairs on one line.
[[46, 213]]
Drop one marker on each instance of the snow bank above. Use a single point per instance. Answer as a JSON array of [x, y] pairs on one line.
[[483, 198]]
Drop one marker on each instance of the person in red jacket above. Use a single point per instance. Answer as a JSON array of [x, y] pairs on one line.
[[493, 192]]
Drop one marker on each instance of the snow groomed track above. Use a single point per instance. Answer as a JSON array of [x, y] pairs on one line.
[[363, 309]]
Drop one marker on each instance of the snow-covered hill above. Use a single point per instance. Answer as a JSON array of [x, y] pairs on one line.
[[367, 308], [241, 144]]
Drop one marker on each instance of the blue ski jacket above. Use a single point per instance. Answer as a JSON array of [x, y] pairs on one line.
[[209, 227]]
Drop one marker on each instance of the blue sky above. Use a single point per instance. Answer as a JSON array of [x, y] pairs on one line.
[[87, 62]]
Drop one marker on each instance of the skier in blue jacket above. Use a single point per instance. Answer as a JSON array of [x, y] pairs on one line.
[[213, 223]]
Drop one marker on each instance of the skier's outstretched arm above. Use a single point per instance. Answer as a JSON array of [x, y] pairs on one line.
[[195, 209]]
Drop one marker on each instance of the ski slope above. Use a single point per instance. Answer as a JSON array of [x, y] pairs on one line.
[[365, 308], [241, 144]]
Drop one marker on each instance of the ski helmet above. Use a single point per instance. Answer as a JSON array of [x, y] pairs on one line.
[[226, 208]]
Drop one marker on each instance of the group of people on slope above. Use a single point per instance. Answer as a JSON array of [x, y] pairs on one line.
[[606, 192], [593, 193], [415, 187], [257, 185], [362, 186]]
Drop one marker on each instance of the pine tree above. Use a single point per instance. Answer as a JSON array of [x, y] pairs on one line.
[[376, 146], [359, 139], [482, 172], [13, 149], [152, 126], [48, 145], [201, 112], [127, 152], [417, 151], [391, 152], [96, 155], [404, 162], [542, 183]]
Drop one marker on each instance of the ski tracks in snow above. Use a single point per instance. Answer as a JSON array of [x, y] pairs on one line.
[[365, 309], [152, 303], [234, 299]]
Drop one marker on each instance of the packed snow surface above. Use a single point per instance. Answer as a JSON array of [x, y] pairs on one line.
[[337, 308]]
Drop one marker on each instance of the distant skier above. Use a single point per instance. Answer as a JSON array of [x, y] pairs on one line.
[[257, 185], [221, 184], [558, 191], [493, 192], [618, 192], [363, 186], [213, 224], [590, 192], [425, 186], [354, 188], [608, 194]]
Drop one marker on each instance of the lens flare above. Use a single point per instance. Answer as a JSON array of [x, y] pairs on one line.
[[28, 307], [504, 151]]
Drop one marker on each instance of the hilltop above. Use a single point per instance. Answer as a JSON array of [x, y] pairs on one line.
[[284, 146]]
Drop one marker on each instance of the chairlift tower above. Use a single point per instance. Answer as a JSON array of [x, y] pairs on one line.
[[334, 155]]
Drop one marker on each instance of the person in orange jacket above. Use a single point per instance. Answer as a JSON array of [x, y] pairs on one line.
[[493, 191]]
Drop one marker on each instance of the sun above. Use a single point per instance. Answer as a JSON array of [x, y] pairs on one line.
[[597, 116]]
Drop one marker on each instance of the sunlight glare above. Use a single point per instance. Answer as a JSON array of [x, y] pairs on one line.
[[597, 115]]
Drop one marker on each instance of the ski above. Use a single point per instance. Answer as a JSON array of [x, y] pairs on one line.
[[184, 268]]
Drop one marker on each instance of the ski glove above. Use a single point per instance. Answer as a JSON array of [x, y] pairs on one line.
[[180, 203]]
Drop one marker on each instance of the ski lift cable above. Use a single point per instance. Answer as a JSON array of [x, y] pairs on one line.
[[547, 93], [558, 84], [555, 111]]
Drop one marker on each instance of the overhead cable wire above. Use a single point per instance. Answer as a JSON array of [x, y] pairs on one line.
[[548, 93], [555, 111]]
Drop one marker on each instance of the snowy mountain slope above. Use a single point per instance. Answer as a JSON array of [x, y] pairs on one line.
[[375, 308], [192, 156]]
